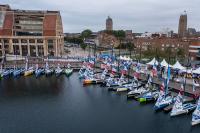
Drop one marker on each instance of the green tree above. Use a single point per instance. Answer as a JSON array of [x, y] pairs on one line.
[[86, 33], [180, 52], [130, 47], [83, 46]]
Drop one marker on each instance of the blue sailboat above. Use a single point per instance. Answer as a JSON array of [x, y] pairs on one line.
[[164, 99], [5, 74], [38, 71], [17, 73]]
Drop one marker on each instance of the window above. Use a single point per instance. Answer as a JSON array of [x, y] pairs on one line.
[[31, 41], [15, 41], [16, 49], [24, 50], [40, 50], [39, 41], [32, 50], [23, 41]]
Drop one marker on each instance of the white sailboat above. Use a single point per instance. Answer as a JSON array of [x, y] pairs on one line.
[[196, 115], [58, 70], [48, 71], [178, 106], [28, 71]]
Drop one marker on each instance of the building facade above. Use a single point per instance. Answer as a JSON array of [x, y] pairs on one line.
[[109, 24], [30, 32], [194, 48], [161, 44], [182, 28]]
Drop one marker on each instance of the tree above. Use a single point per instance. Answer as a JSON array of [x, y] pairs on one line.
[[130, 47], [180, 52], [86, 33], [83, 46]]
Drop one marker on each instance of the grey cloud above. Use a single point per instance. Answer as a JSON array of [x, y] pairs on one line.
[[138, 15]]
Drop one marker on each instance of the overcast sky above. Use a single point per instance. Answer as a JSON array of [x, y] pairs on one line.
[[136, 15]]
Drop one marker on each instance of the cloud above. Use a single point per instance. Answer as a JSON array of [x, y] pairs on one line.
[[138, 15]]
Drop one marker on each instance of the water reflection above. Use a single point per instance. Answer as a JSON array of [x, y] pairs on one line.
[[30, 86]]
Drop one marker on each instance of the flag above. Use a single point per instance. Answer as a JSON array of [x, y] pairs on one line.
[[162, 87], [182, 89], [136, 75]]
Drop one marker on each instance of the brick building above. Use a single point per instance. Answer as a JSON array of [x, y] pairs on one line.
[[161, 44], [194, 48], [30, 32]]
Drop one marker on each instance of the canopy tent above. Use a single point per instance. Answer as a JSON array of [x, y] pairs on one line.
[[153, 62], [164, 63], [197, 71], [177, 65]]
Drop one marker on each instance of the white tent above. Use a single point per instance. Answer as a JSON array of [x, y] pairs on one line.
[[125, 58], [164, 63], [154, 61], [188, 71], [177, 65], [197, 71]]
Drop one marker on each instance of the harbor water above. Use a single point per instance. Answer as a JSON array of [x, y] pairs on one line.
[[63, 105]]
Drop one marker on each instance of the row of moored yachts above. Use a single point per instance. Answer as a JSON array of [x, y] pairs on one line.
[[37, 71], [143, 92]]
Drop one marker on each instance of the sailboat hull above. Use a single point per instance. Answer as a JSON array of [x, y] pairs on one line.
[[17, 73], [68, 72], [194, 123], [28, 73], [181, 112]]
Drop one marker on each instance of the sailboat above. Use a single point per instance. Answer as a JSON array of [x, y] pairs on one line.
[[196, 115], [116, 82], [129, 87], [180, 108], [38, 71], [28, 70], [4, 73], [58, 70], [69, 70], [139, 90], [16, 72], [164, 98], [48, 71]]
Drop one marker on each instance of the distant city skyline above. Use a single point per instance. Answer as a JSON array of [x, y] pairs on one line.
[[137, 15]]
